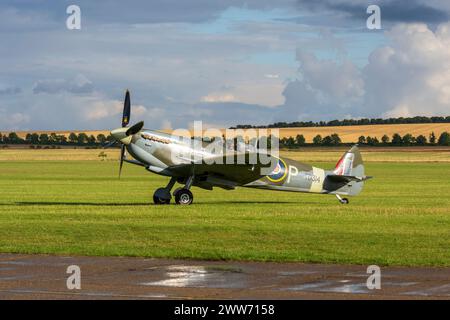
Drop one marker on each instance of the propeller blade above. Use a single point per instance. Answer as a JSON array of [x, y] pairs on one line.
[[135, 128], [122, 156], [126, 110], [109, 144]]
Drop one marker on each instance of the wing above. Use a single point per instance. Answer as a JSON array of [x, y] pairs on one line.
[[227, 168]]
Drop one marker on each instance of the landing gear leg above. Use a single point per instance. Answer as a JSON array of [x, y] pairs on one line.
[[184, 196], [162, 195], [342, 200]]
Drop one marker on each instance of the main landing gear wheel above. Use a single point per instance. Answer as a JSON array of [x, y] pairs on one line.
[[183, 196], [162, 196]]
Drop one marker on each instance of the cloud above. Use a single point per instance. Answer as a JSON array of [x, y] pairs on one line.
[[409, 76], [218, 97], [10, 90], [391, 10], [13, 121], [78, 85], [325, 88], [101, 109]]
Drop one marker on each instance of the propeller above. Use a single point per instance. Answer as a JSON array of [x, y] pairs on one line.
[[122, 156], [109, 144], [135, 128], [125, 134], [126, 110]]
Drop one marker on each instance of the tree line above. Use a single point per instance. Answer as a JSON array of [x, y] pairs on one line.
[[82, 139], [395, 140], [349, 122], [73, 139]]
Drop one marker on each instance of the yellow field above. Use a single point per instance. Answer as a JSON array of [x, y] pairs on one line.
[[352, 133], [348, 134], [415, 154]]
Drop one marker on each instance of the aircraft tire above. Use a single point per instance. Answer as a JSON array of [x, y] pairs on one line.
[[161, 196], [184, 197], [176, 191], [345, 201], [158, 200]]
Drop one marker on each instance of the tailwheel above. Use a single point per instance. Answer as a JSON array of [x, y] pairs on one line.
[[183, 196], [162, 196], [342, 200]]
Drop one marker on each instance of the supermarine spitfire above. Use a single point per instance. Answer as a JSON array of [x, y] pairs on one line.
[[159, 152]]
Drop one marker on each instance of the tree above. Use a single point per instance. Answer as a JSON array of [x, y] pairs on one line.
[[327, 141], [372, 141], [91, 140], [43, 138], [421, 140], [335, 139], [396, 139], [14, 138], [289, 142], [362, 140], [101, 138], [62, 139], [317, 140], [444, 139], [1, 138], [300, 140], [408, 139], [432, 138], [73, 138], [53, 139], [34, 138], [385, 139], [27, 138], [82, 138]]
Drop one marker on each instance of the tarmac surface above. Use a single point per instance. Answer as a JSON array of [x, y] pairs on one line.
[[45, 277]]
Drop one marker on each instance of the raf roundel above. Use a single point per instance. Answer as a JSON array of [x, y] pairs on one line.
[[279, 173]]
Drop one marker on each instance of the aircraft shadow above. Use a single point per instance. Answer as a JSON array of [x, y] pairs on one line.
[[123, 204]]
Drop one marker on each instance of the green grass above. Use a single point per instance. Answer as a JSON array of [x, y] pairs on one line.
[[80, 207]]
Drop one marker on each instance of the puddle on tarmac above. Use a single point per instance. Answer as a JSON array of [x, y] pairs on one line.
[[295, 273], [340, 286], [16, 278], [16, 263], [433, 291], [6, 269], [199, 276], [310, 286]]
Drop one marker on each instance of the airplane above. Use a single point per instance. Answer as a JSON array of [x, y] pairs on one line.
[[155, 150]]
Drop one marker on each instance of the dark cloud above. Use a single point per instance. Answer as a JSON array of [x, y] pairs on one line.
[[10, 91], [78, 85], [391, 10]]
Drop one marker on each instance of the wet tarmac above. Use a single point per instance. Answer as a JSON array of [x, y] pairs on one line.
[[45, 277]]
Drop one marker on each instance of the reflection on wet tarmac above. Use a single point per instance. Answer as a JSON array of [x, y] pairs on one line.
[[198, 276]]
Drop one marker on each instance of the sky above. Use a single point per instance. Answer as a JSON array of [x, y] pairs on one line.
[[222, 62]]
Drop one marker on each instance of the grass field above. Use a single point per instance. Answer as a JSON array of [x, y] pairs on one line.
[[80, 207]]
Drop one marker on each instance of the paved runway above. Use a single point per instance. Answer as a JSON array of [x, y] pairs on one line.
[[44, 277]]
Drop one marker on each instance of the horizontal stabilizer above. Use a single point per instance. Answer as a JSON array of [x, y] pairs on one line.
[[346, 179]]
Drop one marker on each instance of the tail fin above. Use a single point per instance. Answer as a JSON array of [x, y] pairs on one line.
[[348, 177], [351, 164]]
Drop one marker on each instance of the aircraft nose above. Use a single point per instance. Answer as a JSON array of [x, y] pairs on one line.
[[121, 135]]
